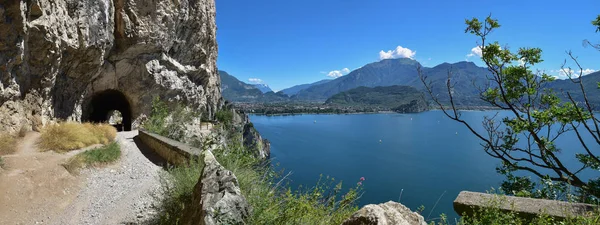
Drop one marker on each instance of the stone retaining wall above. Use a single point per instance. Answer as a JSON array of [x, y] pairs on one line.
[[527, 208], [174, 152]]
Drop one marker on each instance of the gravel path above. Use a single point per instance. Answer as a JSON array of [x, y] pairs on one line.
[[123, 193]]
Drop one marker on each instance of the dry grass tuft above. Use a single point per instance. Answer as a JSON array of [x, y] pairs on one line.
[[68, 136], [23, 131], [8, 144]]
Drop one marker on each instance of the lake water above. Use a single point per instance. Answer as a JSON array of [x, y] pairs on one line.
[[424, 156]]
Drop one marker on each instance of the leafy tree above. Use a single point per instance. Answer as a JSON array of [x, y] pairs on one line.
[[525, 141]]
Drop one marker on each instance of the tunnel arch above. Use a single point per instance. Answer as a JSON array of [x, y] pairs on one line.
[[102, 104]]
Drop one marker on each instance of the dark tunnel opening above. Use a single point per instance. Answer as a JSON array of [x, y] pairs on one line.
[[103, 104]]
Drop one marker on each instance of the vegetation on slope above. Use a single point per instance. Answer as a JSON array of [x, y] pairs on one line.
[[168, 121], [396, 98], [68, 136], [272, 199], [94, 157]]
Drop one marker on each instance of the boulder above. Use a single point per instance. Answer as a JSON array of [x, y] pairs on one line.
[[217, 198], [386, 213]]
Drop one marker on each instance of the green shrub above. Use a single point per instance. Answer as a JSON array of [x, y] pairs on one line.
[[1, 162], [177, 187], [168, 122], [272, 199], [156, 122], [95, 157], [224, 116]]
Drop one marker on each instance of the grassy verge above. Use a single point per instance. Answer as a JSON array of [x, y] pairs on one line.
[[270, 196], [68, 136], [95, 157], [8, 144], [177, 186]]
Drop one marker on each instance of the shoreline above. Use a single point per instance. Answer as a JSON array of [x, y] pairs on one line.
[[357, 113]]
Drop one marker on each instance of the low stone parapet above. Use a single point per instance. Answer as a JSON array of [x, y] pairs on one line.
[[174, 152], [527, 208]]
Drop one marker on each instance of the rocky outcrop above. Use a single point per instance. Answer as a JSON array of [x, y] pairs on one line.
[[252, 140], [386, 213], [414, 106], [57, 56], [217, 198]]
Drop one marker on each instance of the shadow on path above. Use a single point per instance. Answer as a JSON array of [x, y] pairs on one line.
[[150, 155]]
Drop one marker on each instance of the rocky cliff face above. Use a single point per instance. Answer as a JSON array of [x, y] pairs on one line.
[[81, 60]]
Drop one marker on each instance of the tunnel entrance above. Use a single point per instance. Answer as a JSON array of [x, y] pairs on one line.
[[103, 107]]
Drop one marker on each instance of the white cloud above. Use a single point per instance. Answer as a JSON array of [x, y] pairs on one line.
[[521, 62], [588, 71], [338, 73], [255, 80], [564, 73], [399, 52], [475, 51]]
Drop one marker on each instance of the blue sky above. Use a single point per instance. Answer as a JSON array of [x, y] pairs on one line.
[[287, 42]]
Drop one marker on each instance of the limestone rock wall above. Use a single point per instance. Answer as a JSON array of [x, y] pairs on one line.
[[217, 198], [56, 54]]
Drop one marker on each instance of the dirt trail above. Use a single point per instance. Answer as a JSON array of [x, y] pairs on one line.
[[36, 189], [34, 185]]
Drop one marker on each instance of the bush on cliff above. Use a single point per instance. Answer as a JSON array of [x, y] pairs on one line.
[[224, 116], [272, 199], [177, 187], [168, 122]]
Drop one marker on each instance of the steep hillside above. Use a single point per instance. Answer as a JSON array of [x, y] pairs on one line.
[[295, 89], [235, 90], [590, 83], [397, 98]]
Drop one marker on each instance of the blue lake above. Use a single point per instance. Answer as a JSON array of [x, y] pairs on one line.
[[424, 156]]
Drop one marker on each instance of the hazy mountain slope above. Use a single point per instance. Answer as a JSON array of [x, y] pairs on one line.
[[590, 84], [295, 89], [237, 91], [397, 98]]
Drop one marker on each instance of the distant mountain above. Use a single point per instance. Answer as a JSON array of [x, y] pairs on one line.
[[235, 90], [295, 89], [397, 98], [263, 87], [404, 72], [590, 84]]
